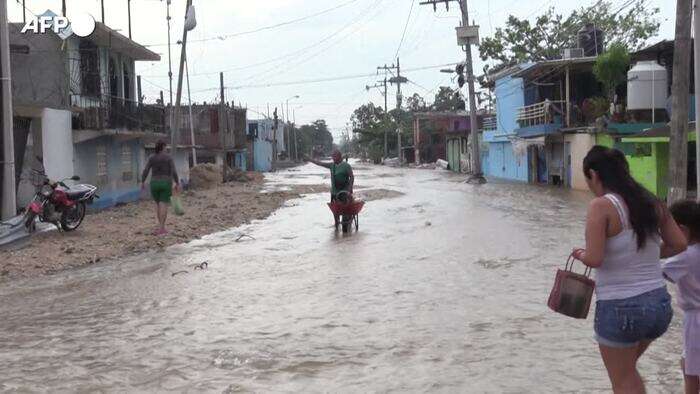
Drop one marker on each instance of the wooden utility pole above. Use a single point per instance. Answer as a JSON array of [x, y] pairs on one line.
[[175, 124], [63, 7], [467, 36], [9, 194], [696, 50], [139, 100], [102, 6], [223, 130], [680, 92]]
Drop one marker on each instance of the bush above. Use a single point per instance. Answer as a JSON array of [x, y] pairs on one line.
[[611, 68]]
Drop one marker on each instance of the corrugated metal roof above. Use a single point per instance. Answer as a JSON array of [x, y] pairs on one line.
[[551, 64]]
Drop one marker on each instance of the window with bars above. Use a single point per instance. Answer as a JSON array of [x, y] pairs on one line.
[[127, 163], [101, 156]]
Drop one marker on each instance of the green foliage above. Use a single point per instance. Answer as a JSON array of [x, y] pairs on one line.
[[611, 67], [522, 41], [416, 103], [448, 99], [594, 108], [312, 135]]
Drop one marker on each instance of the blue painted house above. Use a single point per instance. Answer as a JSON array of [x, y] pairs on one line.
[[261, 141], [499, 159]]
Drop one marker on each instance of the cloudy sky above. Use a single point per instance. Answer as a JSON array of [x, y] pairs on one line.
[[314, 40]]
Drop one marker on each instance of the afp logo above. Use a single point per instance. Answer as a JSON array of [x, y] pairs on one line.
[[81, 24]]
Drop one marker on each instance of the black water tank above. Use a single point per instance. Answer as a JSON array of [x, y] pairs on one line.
[[591, 40]]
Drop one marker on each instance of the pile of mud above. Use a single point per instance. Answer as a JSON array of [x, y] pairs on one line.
[[207, 176]]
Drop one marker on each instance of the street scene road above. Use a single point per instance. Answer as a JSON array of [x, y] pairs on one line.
[[442, 289]]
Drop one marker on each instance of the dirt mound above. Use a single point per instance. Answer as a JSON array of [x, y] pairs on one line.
[[206, 176]]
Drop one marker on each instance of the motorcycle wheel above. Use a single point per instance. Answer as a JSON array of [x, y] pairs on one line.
[[30, 221], [73, 217]]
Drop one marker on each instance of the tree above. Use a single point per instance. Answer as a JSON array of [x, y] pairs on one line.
[[611, 68], [313, 135], [521, 41], [448, 99], [416, 103]]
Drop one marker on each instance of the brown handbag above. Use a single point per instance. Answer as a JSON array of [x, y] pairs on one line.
[[572, 292]]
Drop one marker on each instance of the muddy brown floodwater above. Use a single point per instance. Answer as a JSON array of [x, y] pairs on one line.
[[442, 289]]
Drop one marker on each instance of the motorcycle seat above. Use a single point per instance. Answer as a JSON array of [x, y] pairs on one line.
[[77, 192]]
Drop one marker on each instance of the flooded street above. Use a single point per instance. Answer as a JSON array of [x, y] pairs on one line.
[[443, 289]]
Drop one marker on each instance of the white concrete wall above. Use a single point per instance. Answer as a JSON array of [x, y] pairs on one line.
[[580, 145], [182, 165], [57, 143]]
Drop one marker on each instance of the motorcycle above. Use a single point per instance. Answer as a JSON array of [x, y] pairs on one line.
[[57, 203]]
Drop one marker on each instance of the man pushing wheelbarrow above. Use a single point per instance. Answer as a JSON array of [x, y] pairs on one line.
[[342, 180]]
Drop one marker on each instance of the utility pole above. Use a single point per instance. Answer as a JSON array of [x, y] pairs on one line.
[[696, 18], [223, 130], [170, 63], [383, 84], [398, 80], [189, 100], [9, 195], [467, 36], [102, 7], [128, 10], [294, 127], [63, 7], [680, 92], [175, 125]]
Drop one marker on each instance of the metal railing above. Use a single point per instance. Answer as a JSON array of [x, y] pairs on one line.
[[109, 112], [490, 123], [540, 113]]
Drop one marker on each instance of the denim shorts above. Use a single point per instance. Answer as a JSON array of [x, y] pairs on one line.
[[626, 322]]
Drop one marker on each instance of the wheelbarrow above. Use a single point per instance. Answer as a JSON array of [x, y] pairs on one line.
[[346, 211]]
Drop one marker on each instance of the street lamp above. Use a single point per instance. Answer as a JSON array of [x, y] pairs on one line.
[[296, 154]]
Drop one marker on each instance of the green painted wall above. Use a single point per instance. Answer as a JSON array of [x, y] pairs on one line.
[[644, 170], [604, 140], [652, 171], [661, 151]]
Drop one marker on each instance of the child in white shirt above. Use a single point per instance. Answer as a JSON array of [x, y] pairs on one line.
[[684, 271]]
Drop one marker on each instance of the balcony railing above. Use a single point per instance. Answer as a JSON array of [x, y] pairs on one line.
[[490, 123], [108, 112], [544, 112]]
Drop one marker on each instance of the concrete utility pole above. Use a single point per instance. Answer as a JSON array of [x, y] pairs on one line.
[[680, 92], [398, 80], [170, 63], [128, 11], [467, 36], [9, 194], [383, 84], [223, 130], [175, 125], [696, 18]]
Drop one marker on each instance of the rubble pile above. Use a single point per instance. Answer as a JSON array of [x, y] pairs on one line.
[[207, 176]]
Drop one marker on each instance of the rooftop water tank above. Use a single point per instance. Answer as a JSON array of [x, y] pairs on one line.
[[647, 86], [591, 40]]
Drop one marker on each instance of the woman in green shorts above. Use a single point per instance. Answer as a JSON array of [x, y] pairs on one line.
[[163, 177]]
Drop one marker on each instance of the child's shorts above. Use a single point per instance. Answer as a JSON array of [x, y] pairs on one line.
[[691, 342]]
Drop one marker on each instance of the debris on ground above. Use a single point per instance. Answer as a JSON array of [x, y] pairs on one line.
[[442, 164], [206, 176], [392, 162]]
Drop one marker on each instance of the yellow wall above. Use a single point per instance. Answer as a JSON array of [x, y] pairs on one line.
[[580, 145]]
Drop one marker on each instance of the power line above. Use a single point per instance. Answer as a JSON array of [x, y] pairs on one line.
[[319, 80], [403, 35], [264, 28]]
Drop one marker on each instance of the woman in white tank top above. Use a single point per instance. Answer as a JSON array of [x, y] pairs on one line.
[[624, 230]]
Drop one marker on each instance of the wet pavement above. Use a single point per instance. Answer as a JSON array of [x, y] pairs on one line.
[[443, 289]]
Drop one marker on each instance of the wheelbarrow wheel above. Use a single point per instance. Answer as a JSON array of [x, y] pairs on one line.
[[347, 221]]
